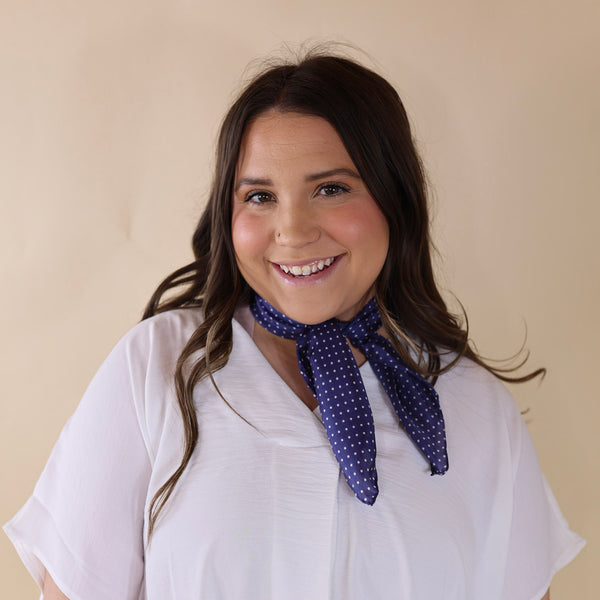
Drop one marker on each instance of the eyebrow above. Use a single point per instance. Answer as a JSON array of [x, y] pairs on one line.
[[332, 173], [250, 181]]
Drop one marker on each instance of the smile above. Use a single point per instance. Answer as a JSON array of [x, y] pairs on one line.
[[309, 268]]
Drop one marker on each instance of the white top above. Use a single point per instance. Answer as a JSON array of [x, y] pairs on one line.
[[262, 510]]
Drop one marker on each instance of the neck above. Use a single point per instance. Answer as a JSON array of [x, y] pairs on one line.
[[264, 339], [280, 353]]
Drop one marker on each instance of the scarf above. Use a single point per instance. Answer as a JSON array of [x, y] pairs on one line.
[[330, 370]]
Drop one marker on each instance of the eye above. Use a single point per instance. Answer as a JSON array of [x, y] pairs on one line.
[[332, 189], [258, 197]]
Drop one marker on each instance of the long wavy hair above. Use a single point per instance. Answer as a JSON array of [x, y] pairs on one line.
[[369, 116]]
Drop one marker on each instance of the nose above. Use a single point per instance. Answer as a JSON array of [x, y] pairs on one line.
[[296, 226]]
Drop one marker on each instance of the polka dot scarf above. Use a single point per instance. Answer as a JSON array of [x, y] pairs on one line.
[[328, 366]]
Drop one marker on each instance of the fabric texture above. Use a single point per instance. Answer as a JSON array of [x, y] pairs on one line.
[[329, 368], [262, 512]]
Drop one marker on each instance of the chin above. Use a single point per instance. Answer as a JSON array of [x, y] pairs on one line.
[[314, 312], [305, 315]]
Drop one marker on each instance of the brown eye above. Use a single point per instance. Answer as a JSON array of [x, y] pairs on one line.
[[332, 189], [258, 197]]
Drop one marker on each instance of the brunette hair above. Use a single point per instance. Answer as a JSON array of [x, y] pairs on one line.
[[368, 114]]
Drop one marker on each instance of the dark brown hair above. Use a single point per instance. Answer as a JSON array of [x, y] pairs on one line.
[[369, 116]]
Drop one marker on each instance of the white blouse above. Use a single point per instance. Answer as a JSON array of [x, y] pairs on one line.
[[262, 510]]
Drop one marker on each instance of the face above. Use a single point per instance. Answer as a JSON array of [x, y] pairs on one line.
[[308, 236]]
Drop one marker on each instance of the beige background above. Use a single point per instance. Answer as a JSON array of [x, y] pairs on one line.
[[108, 115]]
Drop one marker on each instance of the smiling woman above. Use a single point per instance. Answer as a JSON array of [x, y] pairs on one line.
[[268, 430]]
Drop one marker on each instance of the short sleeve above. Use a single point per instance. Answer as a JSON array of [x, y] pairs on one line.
[[541, 542], [84, 521]]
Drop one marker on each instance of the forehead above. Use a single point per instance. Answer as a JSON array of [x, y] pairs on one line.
[[278, 139]]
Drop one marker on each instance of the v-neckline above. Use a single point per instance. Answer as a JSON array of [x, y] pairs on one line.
[[243, 316], [279, 414]]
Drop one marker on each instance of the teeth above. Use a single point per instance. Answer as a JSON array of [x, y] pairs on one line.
[[306, 270]]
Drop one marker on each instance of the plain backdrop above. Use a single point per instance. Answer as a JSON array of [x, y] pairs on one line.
[[108, 116]]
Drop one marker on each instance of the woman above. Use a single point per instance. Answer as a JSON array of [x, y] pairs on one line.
[[268, 430]]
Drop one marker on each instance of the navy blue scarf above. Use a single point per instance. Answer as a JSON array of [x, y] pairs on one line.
[[330, 370]]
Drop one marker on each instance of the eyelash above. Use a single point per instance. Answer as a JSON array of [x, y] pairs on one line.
[[339, 189]]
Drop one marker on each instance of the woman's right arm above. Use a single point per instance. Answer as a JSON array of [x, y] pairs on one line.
[[51, 591], [96, 481]]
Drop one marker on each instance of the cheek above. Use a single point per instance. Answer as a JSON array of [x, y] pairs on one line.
[[249, 237], [364, 229], [380, 236]]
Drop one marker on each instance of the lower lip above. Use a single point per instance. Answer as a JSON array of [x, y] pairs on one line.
[[302, 280]]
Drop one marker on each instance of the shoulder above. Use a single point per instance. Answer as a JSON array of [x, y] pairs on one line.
[[142, 364], [161, 337], [478, 408], [468, 383], [174, 327], [134, 387]]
